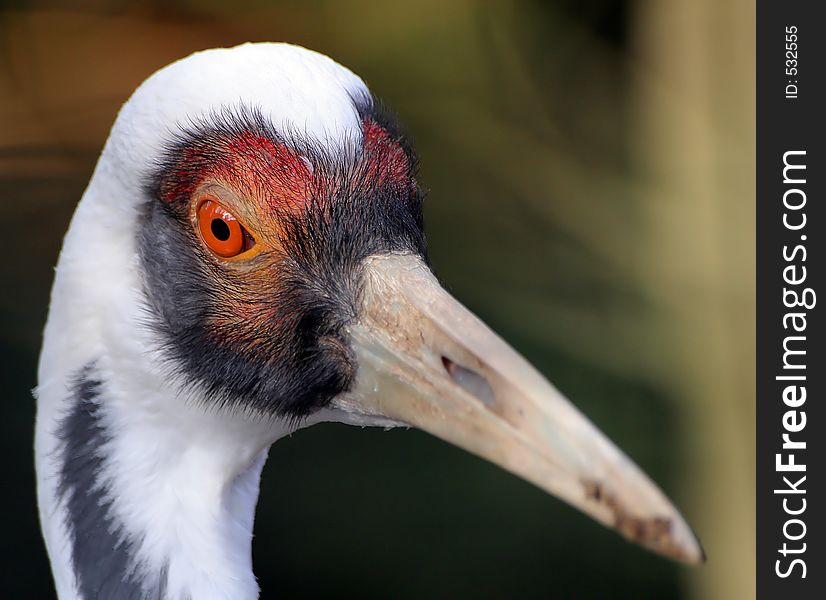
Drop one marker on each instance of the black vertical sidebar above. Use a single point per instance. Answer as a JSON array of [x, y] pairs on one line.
[[791, 270]]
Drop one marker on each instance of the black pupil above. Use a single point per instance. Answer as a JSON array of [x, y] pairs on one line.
[[220, 229]]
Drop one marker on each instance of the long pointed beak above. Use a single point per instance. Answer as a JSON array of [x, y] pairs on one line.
[[426, 361]]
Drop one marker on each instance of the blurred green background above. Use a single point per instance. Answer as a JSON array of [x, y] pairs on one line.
[[591, 172]]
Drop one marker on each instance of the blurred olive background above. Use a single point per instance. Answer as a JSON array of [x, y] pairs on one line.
[[591, 172]]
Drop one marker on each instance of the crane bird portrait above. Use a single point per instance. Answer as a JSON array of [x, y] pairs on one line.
[[249, 259]]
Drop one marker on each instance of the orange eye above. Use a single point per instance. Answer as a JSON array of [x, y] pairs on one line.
[[221, 231]]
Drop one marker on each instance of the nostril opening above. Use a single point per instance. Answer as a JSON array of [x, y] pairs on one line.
[[471, 381]]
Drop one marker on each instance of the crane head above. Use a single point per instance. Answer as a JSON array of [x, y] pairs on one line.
[[252, 240]]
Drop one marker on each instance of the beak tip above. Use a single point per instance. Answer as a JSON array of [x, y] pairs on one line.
[[647, 519], [700, 557], [695, 553], [684, 546]]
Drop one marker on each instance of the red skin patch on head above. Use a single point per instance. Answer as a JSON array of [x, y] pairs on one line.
[[274, 175], [387, 160], [253, 164], [269, 170]]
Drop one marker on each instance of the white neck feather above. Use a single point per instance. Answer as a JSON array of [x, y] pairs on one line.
[[186, 487]]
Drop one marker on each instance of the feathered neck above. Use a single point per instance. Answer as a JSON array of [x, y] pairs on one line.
[[153, 503]]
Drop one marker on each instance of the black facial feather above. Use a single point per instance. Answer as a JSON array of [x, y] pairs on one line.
[[299, 358]]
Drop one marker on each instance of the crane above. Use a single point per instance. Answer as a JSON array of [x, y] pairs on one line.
[[249, 259]]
